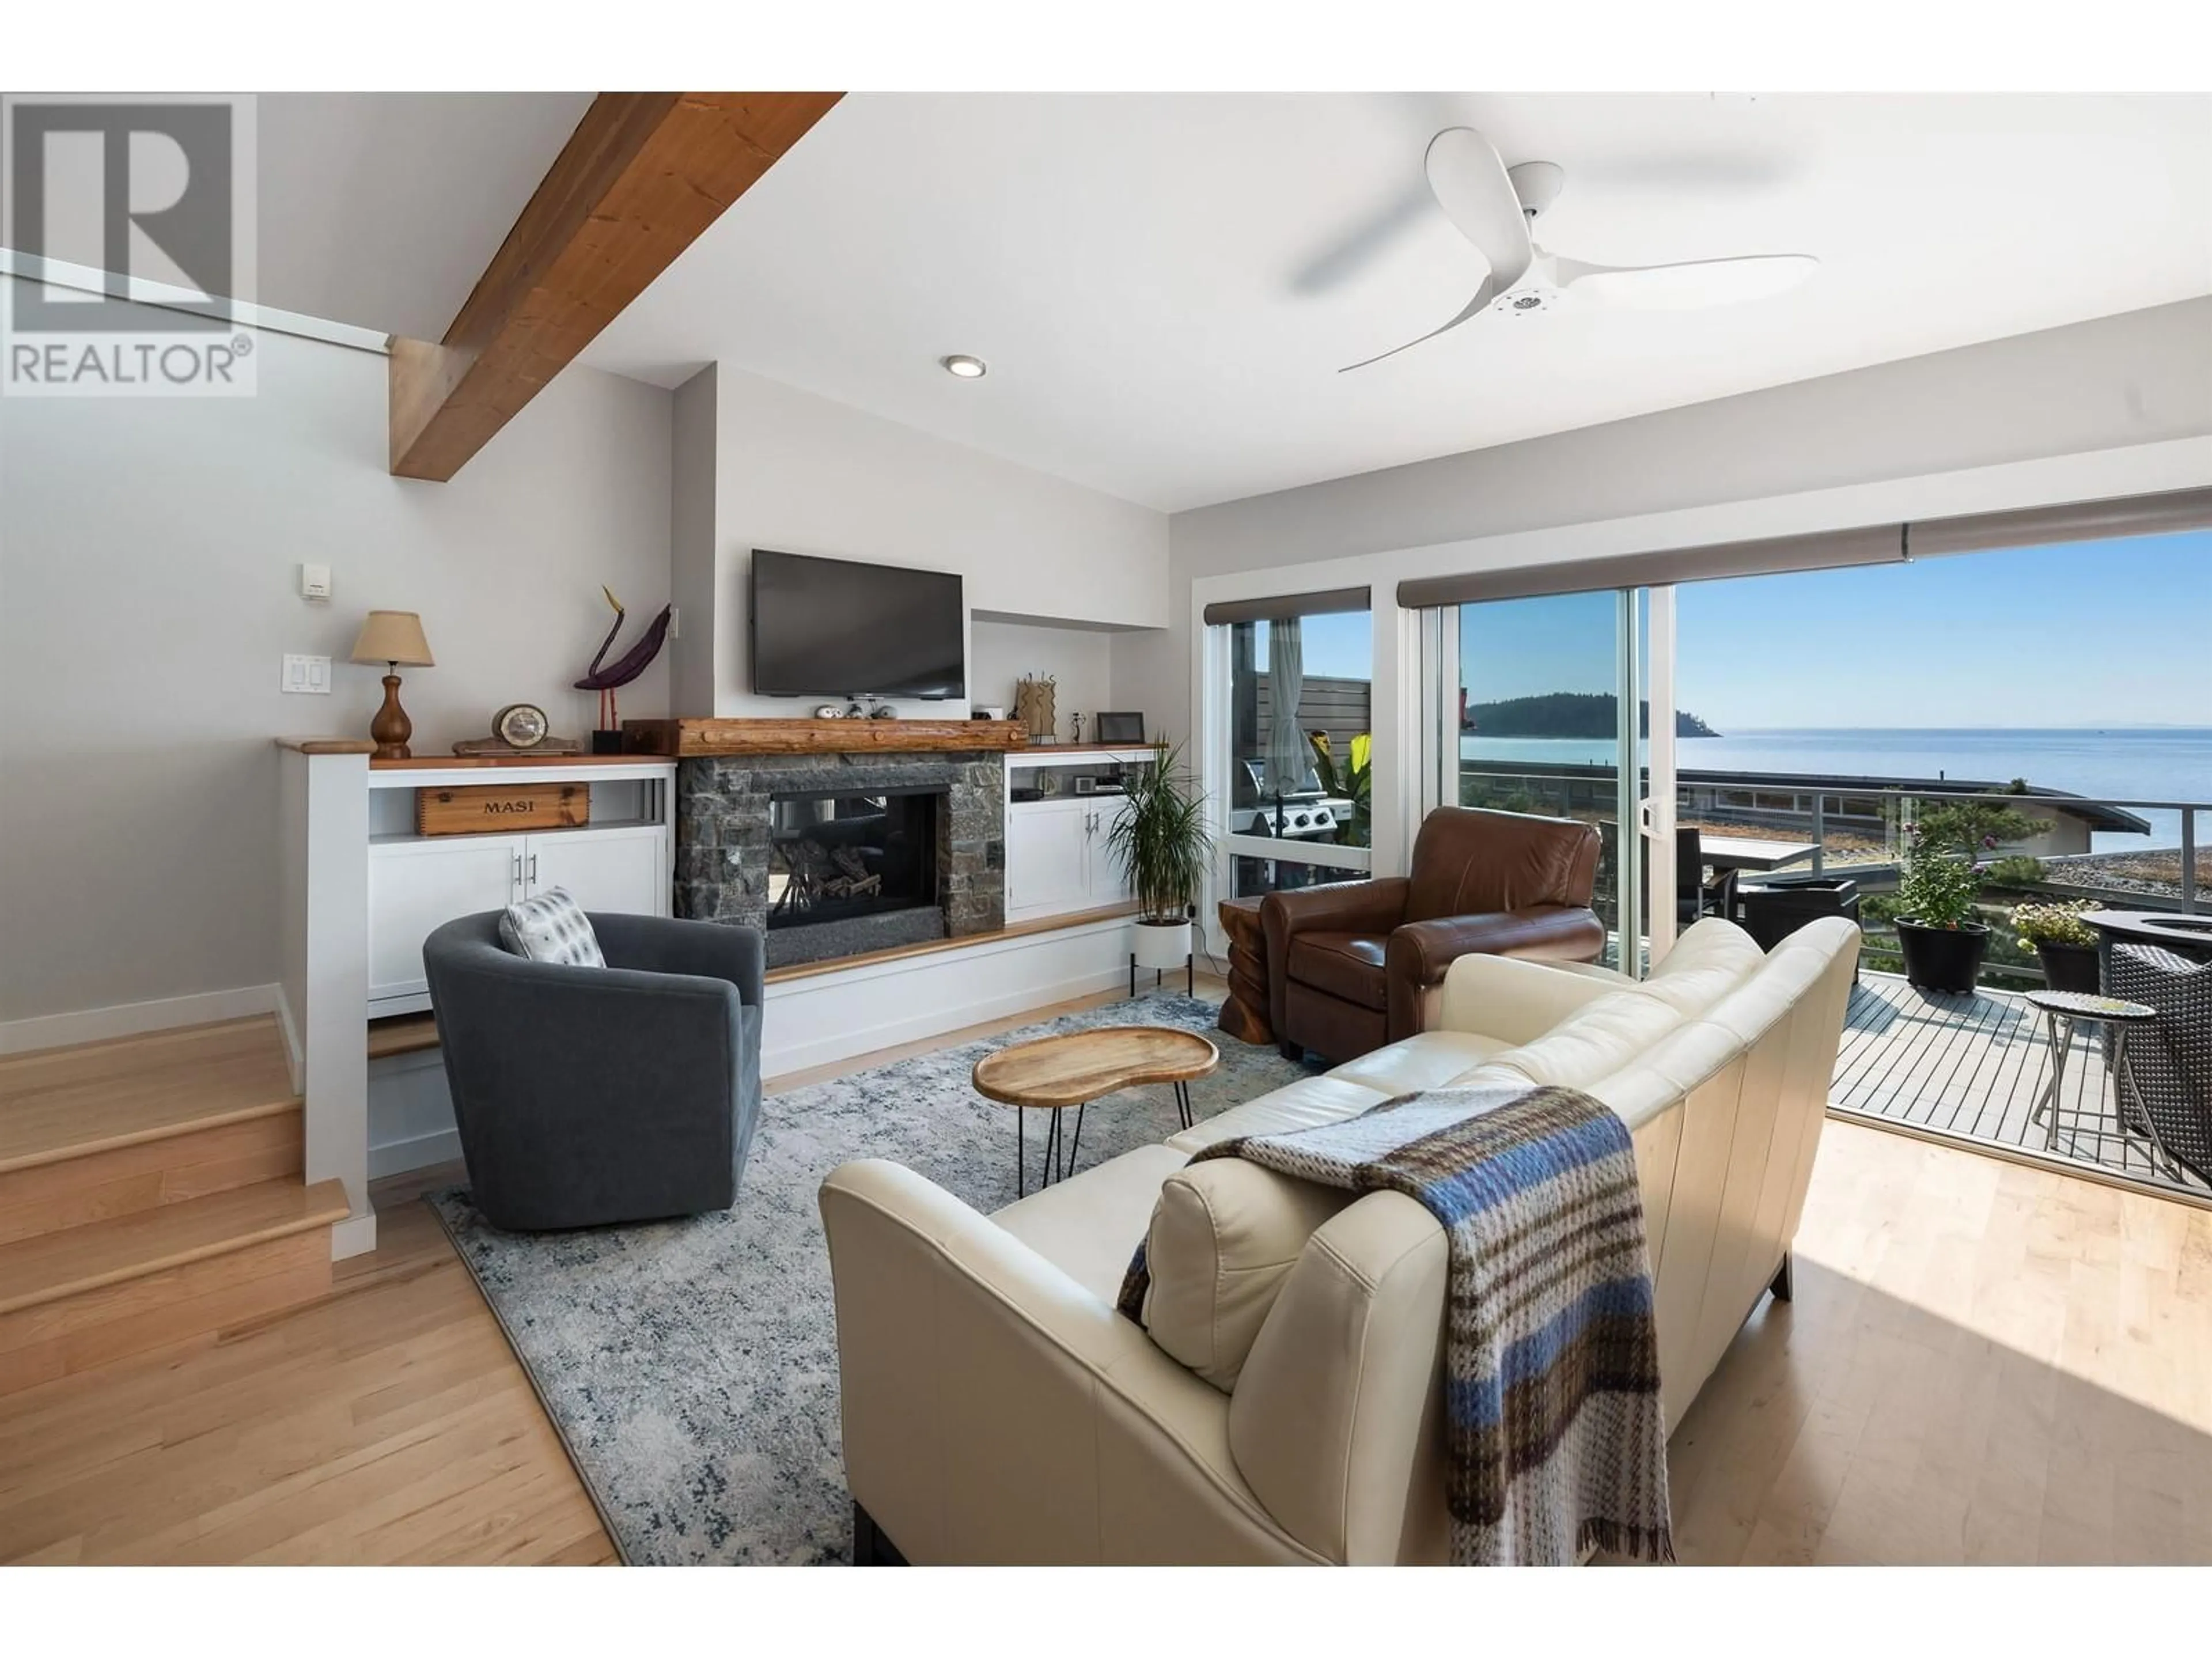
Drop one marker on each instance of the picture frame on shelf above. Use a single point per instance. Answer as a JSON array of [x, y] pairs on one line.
[[1116, 729]]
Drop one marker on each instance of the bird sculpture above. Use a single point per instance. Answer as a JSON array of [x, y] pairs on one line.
[[632, 663]]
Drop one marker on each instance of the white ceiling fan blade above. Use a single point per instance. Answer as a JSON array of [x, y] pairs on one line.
[[1483, 296], [1471, 185], [1686, 286]]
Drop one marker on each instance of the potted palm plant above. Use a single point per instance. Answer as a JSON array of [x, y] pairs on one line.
[[1938, 934], [2065, 945], [1161, 842]]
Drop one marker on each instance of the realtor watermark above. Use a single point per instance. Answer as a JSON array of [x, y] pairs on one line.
[[131, 226]]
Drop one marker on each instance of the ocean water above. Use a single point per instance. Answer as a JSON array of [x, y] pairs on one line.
[[2156, 763]]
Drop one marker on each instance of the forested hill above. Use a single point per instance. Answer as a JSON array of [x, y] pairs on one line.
[[1566, 714]]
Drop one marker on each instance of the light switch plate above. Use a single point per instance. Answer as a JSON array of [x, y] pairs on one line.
[[314, 582], [307, 676]]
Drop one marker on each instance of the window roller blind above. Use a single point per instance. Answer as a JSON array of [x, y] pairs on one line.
[[2163, 513], [1283, 607], [2071, 521], [1880, 544]]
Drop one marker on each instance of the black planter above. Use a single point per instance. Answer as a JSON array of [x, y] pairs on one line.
[[2068, 967], [1942, 958]]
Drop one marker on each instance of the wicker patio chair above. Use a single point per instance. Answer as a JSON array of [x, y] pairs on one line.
[[2173, 1069]]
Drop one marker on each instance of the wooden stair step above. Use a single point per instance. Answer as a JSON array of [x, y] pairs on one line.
[[76, 1299], [53, 1266], [61, 1103], [401, 1034]]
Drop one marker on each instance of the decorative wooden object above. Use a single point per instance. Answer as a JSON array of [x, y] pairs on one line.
[[1244, 1015], [391, 728], [1034, 702], [679, 738], [641, 176], [479, 809]]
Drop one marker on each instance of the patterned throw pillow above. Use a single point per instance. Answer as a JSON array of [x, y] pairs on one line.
[[549, 927]]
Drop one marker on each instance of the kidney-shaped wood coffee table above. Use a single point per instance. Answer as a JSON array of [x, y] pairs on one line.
[[1078, 1067]]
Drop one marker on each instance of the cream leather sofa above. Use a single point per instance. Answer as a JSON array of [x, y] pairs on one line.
[[1281, 1403]]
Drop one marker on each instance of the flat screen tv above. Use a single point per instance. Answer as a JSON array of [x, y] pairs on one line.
[[832, 627]]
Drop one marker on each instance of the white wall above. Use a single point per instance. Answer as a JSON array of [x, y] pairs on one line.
[[148, 585], [999, 654], [2140, 378], [801, 474]]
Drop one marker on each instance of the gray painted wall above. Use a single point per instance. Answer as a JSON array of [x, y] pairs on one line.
[[148, 586], [2134, 379]]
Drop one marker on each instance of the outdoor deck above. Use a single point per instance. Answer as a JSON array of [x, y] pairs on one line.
[[1970, 1068]]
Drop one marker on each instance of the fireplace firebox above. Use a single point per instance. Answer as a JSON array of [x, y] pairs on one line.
[[842, 853], [841, 856]]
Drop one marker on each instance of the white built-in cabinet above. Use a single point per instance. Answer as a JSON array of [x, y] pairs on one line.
[[1058, 855], [624, 861]]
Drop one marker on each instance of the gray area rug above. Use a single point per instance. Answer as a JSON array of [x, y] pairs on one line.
[[691, 1366]]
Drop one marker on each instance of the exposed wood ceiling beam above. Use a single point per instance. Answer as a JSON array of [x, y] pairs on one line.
[[642, 175]]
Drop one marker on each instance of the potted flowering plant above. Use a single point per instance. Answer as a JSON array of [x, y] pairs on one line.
[[1937, 933], [2064, 943]]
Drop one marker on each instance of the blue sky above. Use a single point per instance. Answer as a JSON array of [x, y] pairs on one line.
[[2115, 633]]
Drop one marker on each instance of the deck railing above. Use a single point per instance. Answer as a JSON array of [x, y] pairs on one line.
[[1856, 826]]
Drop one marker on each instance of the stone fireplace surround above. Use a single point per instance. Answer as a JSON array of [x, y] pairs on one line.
[[722, 857]]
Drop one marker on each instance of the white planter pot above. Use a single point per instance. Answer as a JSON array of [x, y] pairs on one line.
[[1161, 944]]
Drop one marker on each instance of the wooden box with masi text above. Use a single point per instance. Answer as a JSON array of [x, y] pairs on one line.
[[480, 809]]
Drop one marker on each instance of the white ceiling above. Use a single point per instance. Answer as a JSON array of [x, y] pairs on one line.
[[1165, 285], [382, 210]]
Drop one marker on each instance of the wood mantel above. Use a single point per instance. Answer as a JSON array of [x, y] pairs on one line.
[[682, 739]]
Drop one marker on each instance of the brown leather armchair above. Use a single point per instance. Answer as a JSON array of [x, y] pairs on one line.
[[1350, 965]]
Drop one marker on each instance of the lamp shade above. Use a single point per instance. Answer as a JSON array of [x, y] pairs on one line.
[[394, 636]]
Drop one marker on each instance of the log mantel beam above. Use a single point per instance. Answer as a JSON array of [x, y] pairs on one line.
[[641, 176]]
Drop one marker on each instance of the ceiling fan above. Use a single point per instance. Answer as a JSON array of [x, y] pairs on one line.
[[1494, 206]]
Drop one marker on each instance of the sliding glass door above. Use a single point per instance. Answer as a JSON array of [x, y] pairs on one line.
[[1540, 705], [1295, 789]]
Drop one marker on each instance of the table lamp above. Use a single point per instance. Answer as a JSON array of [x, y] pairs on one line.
[[392, 637]]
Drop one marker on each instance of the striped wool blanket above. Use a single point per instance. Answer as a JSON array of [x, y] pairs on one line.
[[1556, 1435]]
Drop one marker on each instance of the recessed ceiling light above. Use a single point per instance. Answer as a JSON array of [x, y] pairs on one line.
[[966, 367]]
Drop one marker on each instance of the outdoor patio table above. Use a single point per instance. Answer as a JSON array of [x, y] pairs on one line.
[[2064, 1011], [1749, 853]]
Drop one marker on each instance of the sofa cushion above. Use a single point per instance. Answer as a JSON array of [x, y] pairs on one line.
[[1512, 1001], [1295, 1106], [551, 927], [1711, 959], [1223, 1235], [1088, 1225], [1346, 965], [1596, 1040], [1426, 1060]]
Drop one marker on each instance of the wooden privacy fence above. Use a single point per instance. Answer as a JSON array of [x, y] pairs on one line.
[[1341, 708]]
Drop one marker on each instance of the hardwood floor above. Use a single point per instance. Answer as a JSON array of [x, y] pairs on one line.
[[388, 1422], [1985, 1361]]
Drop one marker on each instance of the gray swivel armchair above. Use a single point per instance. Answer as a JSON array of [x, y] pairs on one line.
[[587, 1095]]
